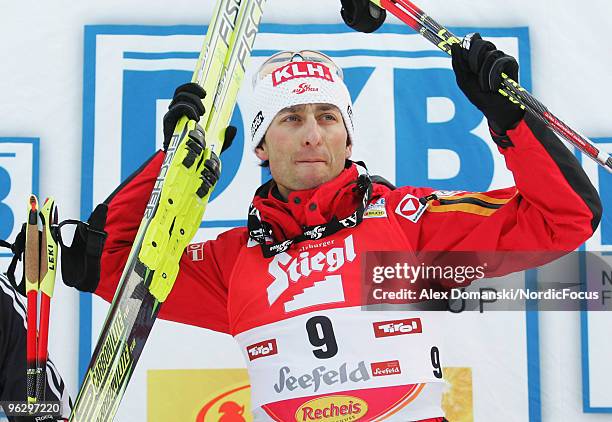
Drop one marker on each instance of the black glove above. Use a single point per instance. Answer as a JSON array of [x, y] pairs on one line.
[[362, 15], [478, 71], [187, 101]]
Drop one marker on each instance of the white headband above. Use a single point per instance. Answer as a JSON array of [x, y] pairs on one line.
[[296, 83]]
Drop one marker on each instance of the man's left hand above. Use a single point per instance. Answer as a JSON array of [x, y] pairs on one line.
[[478, 70]]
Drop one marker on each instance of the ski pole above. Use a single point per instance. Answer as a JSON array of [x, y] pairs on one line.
[[48, 266], [31, 270], [437, 34]]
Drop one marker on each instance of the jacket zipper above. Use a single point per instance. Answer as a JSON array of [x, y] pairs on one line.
[[433, 197]]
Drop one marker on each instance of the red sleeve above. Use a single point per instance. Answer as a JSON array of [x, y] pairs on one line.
[[554, 206], [199, 296]]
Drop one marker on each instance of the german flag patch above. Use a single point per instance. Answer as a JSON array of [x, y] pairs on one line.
[[471, 203]]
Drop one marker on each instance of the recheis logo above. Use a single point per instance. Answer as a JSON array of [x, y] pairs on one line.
[[285, 268], [332, 409], [262, 349], [397, 327], [380, 369], [301, 70]]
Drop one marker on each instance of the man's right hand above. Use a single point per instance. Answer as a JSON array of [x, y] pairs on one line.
[[187, 101]]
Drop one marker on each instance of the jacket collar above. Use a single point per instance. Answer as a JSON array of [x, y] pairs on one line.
[[335, 198], [338, 198]]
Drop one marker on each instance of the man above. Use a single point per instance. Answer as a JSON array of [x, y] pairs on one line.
[[287, 286]]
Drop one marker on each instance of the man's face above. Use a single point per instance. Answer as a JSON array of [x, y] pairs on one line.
[[306, 146]]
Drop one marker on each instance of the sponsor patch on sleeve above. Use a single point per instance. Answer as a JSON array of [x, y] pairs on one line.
[[195, 251], [410, 208]]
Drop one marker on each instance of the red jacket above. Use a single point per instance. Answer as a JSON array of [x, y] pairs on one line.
[[268, 303]]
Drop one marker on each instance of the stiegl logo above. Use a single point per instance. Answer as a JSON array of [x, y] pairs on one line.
[[397, 327], [262, 349], [284, 267], [332, 409]]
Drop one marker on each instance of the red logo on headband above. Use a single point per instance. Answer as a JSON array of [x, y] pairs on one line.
[[303, 87], [301, 70]]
